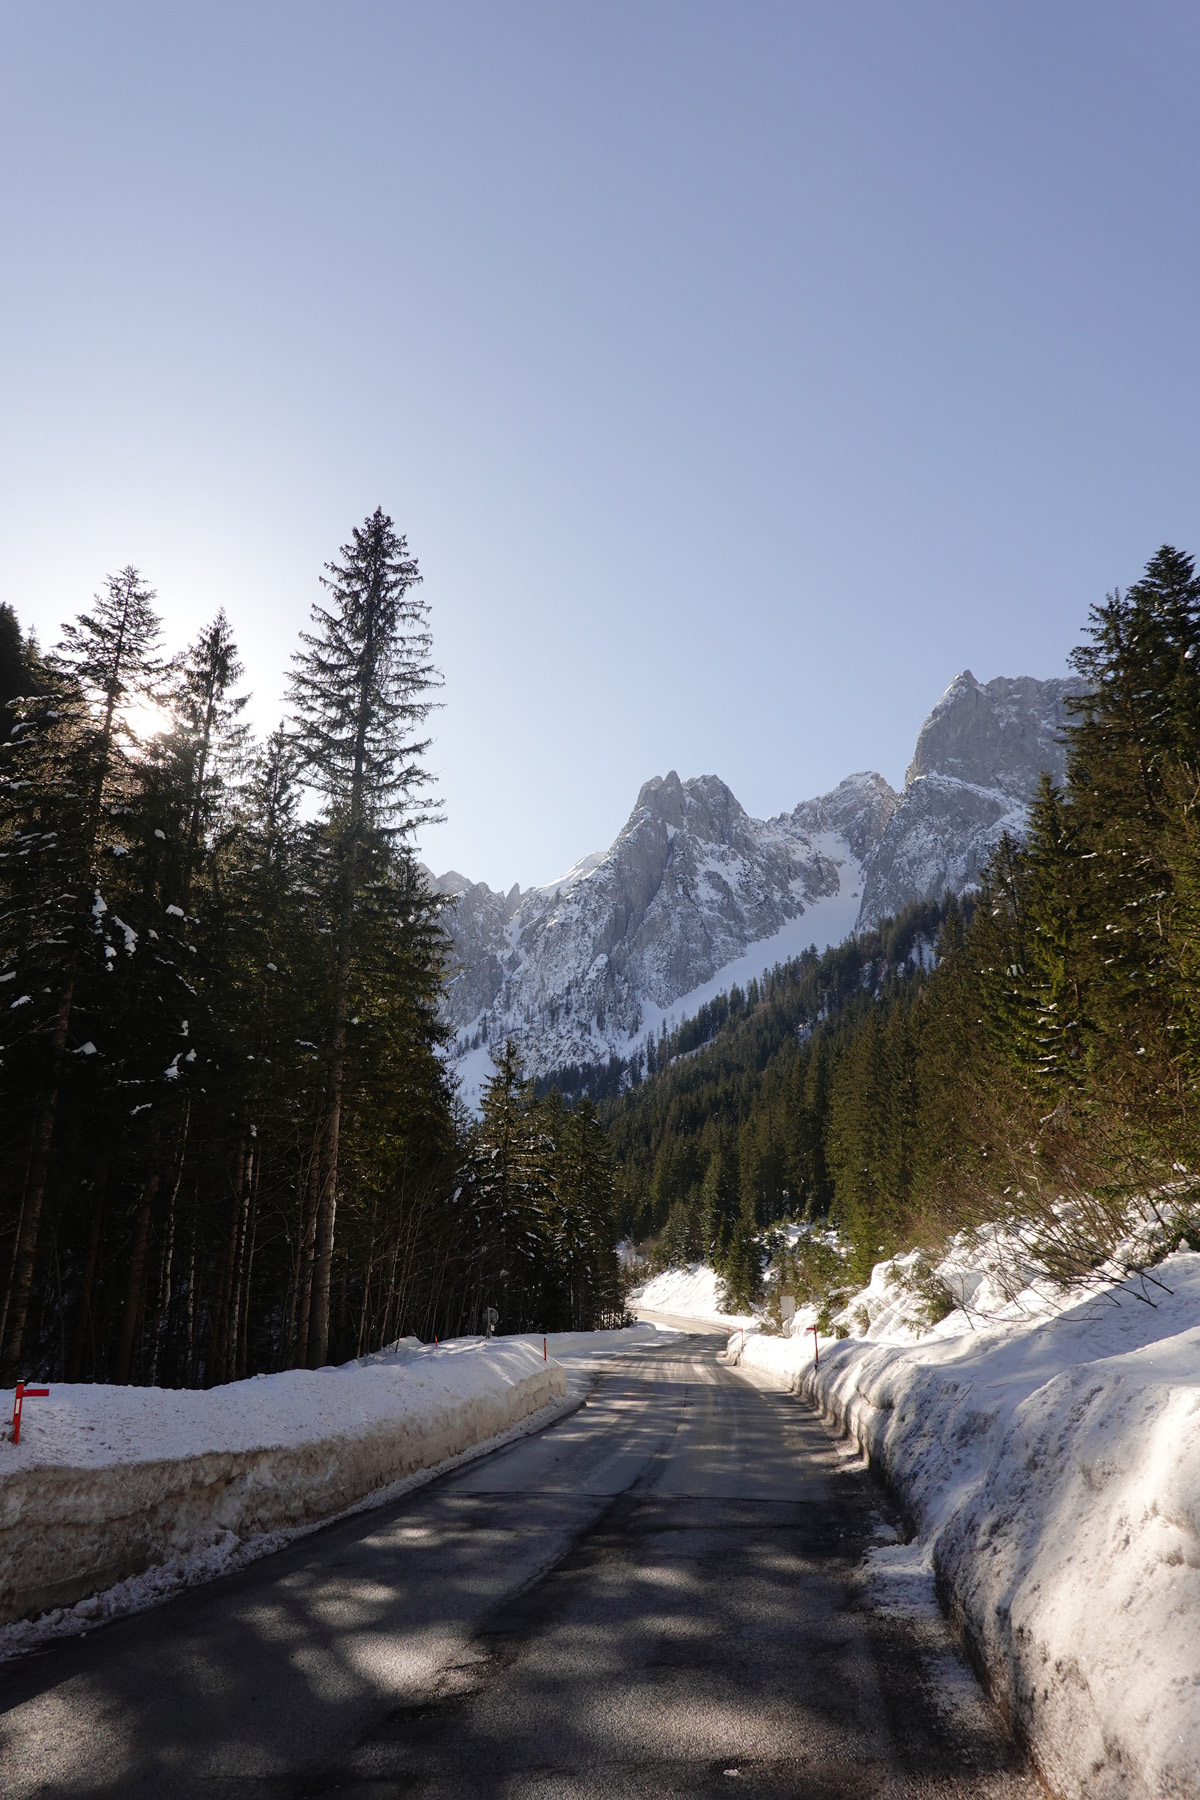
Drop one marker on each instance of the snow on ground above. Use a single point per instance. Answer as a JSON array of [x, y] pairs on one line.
[[688, 1294], [108, 1482], [230, 1474], [1047, 1448]]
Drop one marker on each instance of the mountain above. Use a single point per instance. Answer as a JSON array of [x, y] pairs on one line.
[[628, 939], [694, 895], [978, 760]]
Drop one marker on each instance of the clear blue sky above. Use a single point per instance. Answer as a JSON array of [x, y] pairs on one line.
[[739, 372]]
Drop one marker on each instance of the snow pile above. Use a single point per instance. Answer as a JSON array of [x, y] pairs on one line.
[[585, 1347], [107, 1481], [1047, 1448], [692, 1293]]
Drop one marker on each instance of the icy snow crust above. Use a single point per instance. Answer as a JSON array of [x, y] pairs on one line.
[[108, 1481], [1047, 1450]]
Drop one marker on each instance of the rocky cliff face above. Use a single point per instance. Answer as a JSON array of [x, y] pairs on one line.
[[694, 894], [585, 967], [979, 757]]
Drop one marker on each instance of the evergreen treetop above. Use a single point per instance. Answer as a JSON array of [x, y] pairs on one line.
[[360, 687]]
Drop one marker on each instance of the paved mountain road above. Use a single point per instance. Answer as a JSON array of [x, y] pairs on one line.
[[657, 1596]]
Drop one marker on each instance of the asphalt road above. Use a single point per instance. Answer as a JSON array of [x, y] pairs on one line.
[[657, 1596]]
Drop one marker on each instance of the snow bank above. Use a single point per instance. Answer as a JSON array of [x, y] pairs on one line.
[[1048, 1452], [688, 1294], [585, 1346], [107, 1481]]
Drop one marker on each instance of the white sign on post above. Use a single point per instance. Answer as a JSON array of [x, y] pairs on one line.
[[787, 1307]]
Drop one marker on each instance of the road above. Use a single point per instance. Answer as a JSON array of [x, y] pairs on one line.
[[656, 1596]]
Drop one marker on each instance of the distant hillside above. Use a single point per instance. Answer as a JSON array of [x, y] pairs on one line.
[[739, 1093]]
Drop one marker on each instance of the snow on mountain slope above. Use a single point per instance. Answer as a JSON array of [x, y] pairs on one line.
[[692, 896], [695, 896], [979, 757]]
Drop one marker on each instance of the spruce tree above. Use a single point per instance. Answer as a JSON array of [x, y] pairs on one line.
[[71, 777], [360, 691], [742, 1284], [507, 1198], [16, 666], [208, 720]]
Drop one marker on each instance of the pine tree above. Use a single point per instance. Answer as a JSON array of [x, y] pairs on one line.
[[742, 1284], [70, 780], [718, 1192], [507, 1198], [359, 690], [20, 672], [208, 722], [583, 1264]]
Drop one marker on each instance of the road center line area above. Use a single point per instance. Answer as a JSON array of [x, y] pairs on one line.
[[659, 1595]]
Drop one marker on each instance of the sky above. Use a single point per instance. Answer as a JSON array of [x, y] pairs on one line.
[[738, 372]]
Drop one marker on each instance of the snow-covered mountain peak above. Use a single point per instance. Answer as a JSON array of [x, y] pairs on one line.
[[979, 757], [690, 888], [694, 895], [857, 809]]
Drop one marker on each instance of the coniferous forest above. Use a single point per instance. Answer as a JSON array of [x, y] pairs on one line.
[[1033, 1054], [227, 1141]]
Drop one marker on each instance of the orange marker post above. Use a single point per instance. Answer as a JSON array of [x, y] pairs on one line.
[[22, 1394], [816, 1347], [545, 1357]]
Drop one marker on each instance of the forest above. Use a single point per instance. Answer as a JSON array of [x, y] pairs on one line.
[[1032, 1054], [228, 1143]]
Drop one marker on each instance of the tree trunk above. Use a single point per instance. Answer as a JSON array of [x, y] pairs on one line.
[[25, 1257], [83, 1320], [133, 1287], [318, 1331], [164, 1297], [240, 1237], [307, 1251]]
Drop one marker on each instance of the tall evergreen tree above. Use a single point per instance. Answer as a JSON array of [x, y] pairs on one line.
[[360, 690], [21, 672], [70, 761], [508, 1196]]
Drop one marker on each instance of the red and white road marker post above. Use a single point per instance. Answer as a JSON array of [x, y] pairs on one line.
[[20, 1396]]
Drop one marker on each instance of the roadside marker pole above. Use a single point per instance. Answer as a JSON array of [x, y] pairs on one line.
[[22, 1394], [816, 1347], [545, 1357]]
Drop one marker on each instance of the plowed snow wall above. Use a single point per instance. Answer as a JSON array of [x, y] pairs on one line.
[[1071, 1556], [68, 1532]]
